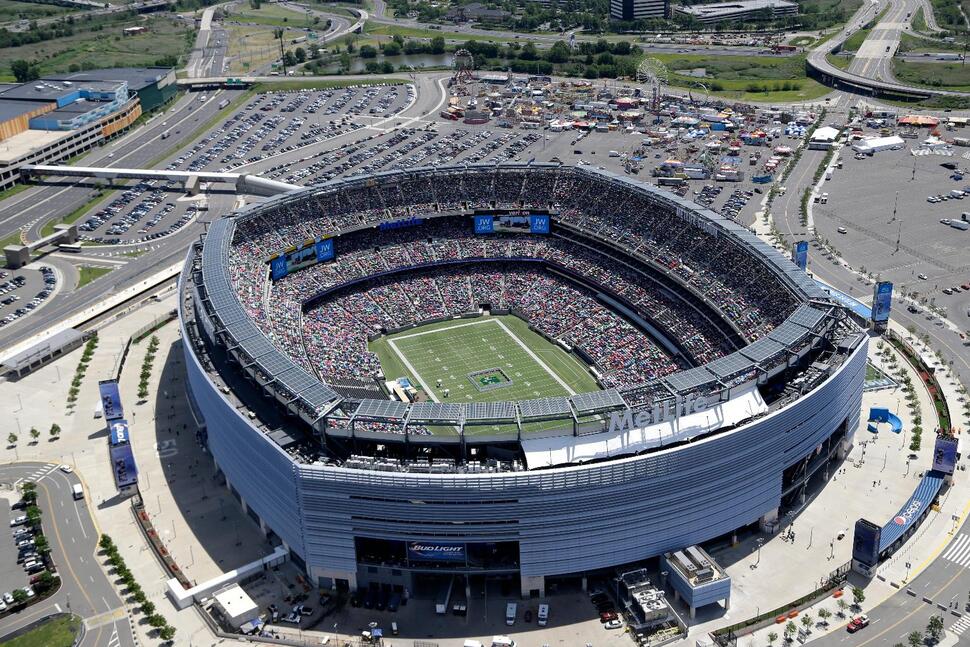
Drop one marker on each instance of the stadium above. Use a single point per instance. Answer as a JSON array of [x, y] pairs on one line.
[[527, 372]]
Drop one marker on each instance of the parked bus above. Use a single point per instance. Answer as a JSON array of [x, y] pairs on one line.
[[74, 248]]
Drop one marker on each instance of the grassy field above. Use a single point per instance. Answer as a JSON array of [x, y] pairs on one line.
[[840, 61], [911, 43], [59, 632], [746, 78], [381, 29], [106, 47], [89, 274], [13, 10], [950, 76], [270, 15], [919, 21], [253, 47], [854, 42], [482, 360]]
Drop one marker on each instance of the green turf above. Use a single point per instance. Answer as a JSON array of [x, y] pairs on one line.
[[89, 273], [483, 360], [59, 632], [951, 76], [854, 42]]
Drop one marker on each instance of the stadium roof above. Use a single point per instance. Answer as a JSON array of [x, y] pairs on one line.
[[292, 383]]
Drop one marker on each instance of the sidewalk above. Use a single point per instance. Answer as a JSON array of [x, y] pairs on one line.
[[873, 482]]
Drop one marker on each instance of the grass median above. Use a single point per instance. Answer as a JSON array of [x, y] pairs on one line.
[[90, 273], [58, 632]]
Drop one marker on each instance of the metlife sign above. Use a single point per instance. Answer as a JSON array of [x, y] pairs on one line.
[[436, 551]]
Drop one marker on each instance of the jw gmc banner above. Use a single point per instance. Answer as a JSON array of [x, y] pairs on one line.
[[436, 551]]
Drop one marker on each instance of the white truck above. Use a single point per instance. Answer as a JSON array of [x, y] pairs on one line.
[[78, 491]]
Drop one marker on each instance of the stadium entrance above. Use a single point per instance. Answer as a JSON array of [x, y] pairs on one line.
[[399, 566]]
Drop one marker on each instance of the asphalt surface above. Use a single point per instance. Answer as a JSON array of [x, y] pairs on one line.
[[945, 582], [85, 588]]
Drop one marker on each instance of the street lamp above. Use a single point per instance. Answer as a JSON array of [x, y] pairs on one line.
[[760, 542]]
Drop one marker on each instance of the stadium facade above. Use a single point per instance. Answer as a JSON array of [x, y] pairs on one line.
[[629, 473]]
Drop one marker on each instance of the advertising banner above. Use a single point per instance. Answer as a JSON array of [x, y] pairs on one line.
[[484, 225], [118, 431], [800, 255], [882, 298], [865, 542], [277, 268], [945, 454], [324, 250], [436, 551], [110, 400], [539, 224]]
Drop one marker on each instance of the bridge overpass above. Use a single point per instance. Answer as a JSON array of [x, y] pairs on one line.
[[240, 182]]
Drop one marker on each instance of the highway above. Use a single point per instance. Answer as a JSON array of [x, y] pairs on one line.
[[85, 588], [871, 71]]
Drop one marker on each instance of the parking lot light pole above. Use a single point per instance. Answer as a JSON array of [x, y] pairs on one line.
[[760, 542]]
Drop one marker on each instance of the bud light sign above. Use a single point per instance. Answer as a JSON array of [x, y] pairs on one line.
[[437, 551]]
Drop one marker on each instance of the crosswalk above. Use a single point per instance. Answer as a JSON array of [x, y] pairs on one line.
[[959, 626], [39, 473], [958, 552]]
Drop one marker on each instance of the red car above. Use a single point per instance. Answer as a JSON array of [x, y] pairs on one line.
[[606, 616], [857, 623]]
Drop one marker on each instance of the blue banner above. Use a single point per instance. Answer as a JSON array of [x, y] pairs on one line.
[[118, 430], [539, 224], [436, 551], [865, 542], [110, 400], [945, 454], [800, 255], [278, 268], [882, 298], [484, 225], [324, 250]]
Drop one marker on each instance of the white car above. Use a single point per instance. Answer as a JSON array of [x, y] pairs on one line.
[[3, 606], [67, 469], [29, 591], [17, 521], [8, 598], [614, 624]]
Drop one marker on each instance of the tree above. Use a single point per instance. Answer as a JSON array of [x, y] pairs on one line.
[[934, 628], [824, 615], [19, 596], [772, 637], [167, 632], [24, 71], [858, 595], [438, 45], [915, 639], [300, 54], [157, 620], [790, 630], [34, 434], [44, 582], [148, 607], [368, 51], [33, 515], [11, 438], [392, 49], [55, 430], [41, 545], [807, 621], [105, 542], [558, 53]]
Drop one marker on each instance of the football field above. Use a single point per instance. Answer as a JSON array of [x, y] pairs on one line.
[[485, 360]]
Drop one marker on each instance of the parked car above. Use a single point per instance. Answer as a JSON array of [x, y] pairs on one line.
[[857, 623]]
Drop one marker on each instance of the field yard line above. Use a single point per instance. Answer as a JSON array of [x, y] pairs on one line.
[[477, 322], [568, 367], [534, 357], [414, 372]]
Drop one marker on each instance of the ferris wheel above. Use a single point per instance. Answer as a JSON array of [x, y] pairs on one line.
[[653, 73]]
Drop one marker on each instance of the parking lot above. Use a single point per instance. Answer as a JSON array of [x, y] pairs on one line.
[[24, 290], [17, 556], [894, 231], [147, 211], [573, 620]]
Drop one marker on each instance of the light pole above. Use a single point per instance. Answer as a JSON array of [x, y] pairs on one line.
[[760, 542]]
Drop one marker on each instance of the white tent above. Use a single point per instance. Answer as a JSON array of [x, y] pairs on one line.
[[825, 134], [876, 144]]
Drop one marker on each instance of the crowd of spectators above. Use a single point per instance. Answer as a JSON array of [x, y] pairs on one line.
[[331, 338]]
